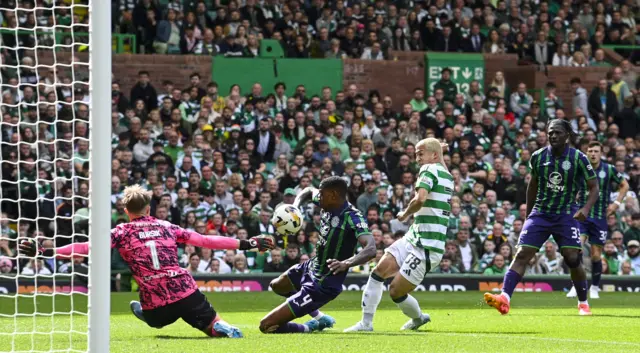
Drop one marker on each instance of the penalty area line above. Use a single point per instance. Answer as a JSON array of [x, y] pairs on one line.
[[550, 339]]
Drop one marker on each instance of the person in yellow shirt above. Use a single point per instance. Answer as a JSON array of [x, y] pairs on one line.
[[619, 87], [218, 101]]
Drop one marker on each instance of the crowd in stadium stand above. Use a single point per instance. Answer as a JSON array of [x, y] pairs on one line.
[[218, 160], [558, 33]]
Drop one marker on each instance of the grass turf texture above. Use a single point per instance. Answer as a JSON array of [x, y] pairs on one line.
[[461, 322]]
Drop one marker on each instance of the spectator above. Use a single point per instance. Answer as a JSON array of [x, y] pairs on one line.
[[498, 266], [494, 44], [276, 265], [627, 120], [144, 90], [612, 257], [562, 57], [620, 87], [240, 264], [602, 103], [292, 255], [543, 50], [468, 252], [633, 233], [551, 261], [520, 101], [445, 266]]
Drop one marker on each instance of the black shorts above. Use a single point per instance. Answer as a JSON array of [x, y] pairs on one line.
[[194, 310]]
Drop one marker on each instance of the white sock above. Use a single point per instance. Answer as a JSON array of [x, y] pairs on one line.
[[371, 297], [320, 314], [506, 296], [583, 302], [410, 307]]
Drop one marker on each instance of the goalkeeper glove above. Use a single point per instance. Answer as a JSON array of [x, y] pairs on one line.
[[262, 243], [31, 248]]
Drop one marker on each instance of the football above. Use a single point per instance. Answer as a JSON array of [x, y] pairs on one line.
[[287, 219]]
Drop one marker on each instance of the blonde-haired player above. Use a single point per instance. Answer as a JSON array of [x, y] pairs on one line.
[[409, 259], [149, 246]]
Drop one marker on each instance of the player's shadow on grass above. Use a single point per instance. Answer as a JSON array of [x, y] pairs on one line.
[[596, 315], [168, 337], [407, 333]]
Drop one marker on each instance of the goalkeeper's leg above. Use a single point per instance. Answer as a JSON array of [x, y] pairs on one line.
[[199, 313]]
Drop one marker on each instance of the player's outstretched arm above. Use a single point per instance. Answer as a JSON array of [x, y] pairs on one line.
[[31, 248], [304, 196], [216, 242], [414, 205], [367, 253]]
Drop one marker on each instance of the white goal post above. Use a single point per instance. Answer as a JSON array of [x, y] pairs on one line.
[[100, 175], [55, 81]]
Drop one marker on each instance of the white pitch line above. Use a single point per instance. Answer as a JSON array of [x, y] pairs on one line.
[[552, 339]]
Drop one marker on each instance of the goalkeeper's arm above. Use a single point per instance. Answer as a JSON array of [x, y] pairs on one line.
[[32, 248], [224, 243]]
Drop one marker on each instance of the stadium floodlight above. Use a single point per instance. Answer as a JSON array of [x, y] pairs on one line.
[[56, 67]]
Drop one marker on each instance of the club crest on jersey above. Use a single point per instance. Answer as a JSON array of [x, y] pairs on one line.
[[602, 174], [566, 165], [555, 182], [335, 221]]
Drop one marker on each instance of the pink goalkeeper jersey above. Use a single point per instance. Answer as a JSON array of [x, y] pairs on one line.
[[150, 247]]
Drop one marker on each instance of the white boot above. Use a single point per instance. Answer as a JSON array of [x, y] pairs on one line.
[[359, 326], [593, 292], [572, 293]]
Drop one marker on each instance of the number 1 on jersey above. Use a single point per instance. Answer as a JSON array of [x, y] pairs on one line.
[[154, 253]]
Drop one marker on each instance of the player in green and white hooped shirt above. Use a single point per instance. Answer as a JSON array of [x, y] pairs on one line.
[[421, 249]]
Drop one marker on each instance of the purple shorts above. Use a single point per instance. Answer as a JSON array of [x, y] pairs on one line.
[[596, 229], [311, 295], [538, 227]]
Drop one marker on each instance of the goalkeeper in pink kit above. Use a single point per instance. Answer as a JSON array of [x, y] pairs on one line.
[[150, 247]]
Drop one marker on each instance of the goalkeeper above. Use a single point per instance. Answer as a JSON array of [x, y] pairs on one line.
[[150, 247]]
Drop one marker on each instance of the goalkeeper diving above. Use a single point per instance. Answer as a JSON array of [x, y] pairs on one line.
[[150, 248]]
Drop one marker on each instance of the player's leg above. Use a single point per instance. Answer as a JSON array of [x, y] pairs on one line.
[[288, 283], [597, 237], [535, 232], [158, 317], [200, 314], [309, 299], [410, 275], [585, 234], [372, 293], [596, 271], [568, 238]]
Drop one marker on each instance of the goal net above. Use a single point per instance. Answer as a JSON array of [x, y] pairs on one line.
[[48, 145]]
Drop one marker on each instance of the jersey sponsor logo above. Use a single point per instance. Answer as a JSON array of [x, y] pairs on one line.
[[555, 182], [148, 234], [362, 225], [335, 221], [566, 165], [589, 166], [602, 174]]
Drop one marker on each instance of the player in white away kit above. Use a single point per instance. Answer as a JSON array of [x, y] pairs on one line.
[[409, 259]]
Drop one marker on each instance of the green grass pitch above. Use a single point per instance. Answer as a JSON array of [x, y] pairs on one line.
[[538, 322]]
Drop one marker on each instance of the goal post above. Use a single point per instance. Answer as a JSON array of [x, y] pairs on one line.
[[100, 175]]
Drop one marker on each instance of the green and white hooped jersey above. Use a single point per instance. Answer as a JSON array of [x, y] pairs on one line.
[[429, 228]]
